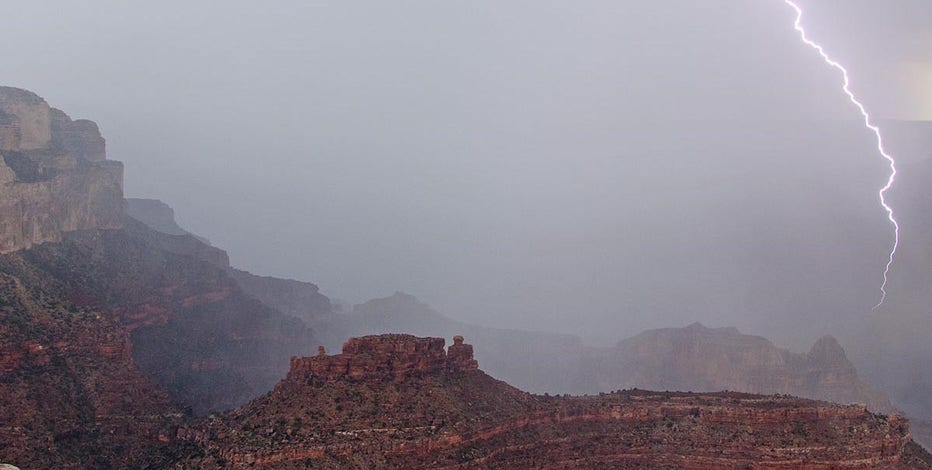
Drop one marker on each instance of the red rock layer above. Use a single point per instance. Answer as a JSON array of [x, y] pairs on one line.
[[394, 401], [71, 395], [384, 357], [192, 330]]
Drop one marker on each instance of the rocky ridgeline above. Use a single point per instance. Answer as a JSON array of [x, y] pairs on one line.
[[54, 175], [391, 401], [705, 359], [384, 357]]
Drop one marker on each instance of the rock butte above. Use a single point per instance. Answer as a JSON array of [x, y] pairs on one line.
[[384, 357]]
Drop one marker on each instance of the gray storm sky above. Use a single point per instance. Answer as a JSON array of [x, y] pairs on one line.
[[596, 167]]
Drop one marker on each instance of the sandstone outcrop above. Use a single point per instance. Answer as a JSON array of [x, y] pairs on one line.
[[24, 120], [54, 176], [378, 358], [393, 401]]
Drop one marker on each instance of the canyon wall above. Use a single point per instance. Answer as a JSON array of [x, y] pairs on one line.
[[296, 298], [54, 176], [24, 120]]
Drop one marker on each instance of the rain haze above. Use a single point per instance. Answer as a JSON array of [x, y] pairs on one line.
[[594, 168]]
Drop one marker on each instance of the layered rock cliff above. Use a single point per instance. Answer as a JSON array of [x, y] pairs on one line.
[[54, 176], [402, 402], [296, 298], [704, 359], [106, 339], [158, 216], [155, 214], [193, 331]]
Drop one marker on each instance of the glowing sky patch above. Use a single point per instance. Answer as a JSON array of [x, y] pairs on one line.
[[876, 130], [913, 81]]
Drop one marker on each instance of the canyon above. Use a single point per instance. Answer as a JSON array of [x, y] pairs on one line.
[[111, 333], [128, 342]]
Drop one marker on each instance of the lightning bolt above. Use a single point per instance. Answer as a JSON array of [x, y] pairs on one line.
[[876, 130]]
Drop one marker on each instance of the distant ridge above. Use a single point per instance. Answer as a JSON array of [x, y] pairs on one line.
[[399, 401]]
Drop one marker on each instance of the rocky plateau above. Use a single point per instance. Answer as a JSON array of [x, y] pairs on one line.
[[399, 401]]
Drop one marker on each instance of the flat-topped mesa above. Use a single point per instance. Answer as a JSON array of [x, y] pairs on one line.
[[378, 358]]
